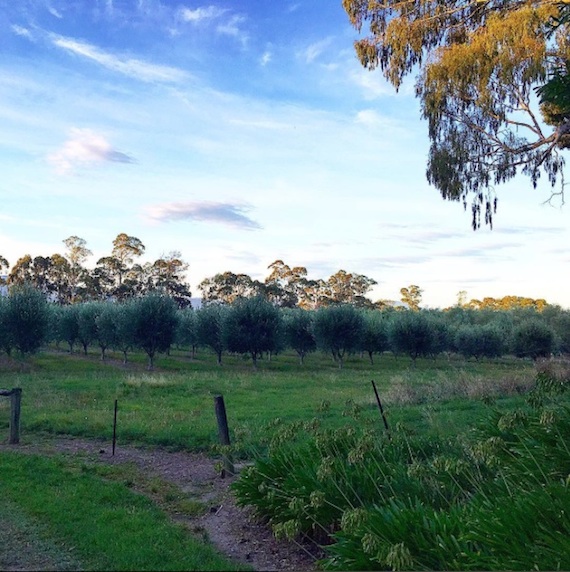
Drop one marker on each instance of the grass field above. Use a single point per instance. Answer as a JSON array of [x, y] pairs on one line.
[[173, 407]]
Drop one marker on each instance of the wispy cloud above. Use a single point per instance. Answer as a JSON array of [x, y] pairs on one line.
[[86, 148], [313, 51], [232, 27], [229, 214], [135, 68], [21, 31], [226, 23], [55, 13], [201, 14], [266, 57]]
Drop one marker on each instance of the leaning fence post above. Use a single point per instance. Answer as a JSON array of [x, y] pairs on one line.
[[224, 434], [15, 402], [381, 410]]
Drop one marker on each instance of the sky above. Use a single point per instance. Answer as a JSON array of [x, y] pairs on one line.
[[239, 133]]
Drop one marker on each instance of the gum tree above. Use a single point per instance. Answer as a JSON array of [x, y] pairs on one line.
[[478, 65]]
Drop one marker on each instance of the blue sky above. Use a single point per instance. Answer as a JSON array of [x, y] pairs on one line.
[[239, 133]]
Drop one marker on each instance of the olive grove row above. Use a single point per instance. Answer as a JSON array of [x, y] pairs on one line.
[[253, 326]]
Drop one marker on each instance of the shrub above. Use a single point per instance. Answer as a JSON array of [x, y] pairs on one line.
[[533, 338]]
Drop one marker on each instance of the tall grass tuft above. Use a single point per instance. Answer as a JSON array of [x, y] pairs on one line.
[[499, 500]]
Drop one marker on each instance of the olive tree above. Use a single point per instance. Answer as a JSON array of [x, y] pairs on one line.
[[210, 328], [252, 326], [155, 323], [338, 329], [533, 338], [187, 330], [27, 318], [298, 331], [374, 337], [410, 333]]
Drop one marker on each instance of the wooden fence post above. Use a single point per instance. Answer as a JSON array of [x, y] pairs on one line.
[[224, 434], [16, 403], [381, 411]]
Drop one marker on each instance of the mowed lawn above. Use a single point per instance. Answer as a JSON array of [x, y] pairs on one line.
[[173, 405]]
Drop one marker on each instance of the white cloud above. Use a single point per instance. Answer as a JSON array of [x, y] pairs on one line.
[[201, 14], [312, 52], [229, 214], [135, 68], [266, 58], [232, 28], [373, 84], [21, 31], [83, 148], [55, 13]]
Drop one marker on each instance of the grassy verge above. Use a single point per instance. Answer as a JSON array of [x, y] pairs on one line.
[[174, 405], [103, 524]]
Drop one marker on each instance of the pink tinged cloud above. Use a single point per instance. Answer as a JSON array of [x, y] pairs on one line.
[[228, 214], [86, 148]]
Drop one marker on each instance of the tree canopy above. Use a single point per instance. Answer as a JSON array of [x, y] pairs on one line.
[[479, 64]]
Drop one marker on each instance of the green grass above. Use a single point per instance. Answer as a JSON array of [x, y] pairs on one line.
[[95, 514], [103, 524], [173, 406]]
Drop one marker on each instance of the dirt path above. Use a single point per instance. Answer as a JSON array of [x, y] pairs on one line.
[[230, 528]]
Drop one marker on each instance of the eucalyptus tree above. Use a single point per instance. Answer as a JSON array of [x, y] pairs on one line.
[[117, 275], [252, 326], [168, 274], [77, 254], [412, 296], [348, 288], [479, 64], [227, 287], [338, 330], [4, 266], [284, 285]]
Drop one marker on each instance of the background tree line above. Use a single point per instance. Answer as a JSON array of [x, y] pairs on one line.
[[65, 279], [256, 327]]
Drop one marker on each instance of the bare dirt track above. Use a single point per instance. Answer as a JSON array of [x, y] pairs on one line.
[[231, 529]]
